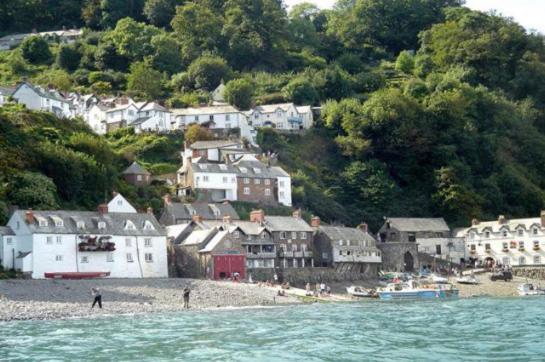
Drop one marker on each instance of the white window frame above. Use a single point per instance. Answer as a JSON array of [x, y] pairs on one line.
[[303, 235], [129, 258], [49, 240], [110, 257], [84, 259], [246, 191], [59, 258], [148, 257], [148, 243], [267, 192], [58, 239], [267, 182]]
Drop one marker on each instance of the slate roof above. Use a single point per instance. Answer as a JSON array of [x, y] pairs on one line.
[[211, 245], [287, 223], [43, 92], [204, 145], [204, 110], [418, 224], [345, 233], [135, 169], [247, 227], [271, 108], [176, 211], [115, 223], [510, 224], [7, 91], [153, 106], [6, 230], [248, 166], [139, 121], [198, 236]]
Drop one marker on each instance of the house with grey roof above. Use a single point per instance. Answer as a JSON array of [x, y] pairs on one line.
[[5, 94], [65, 243], [282, 116], [7, 247], [137, 175], [346, 249], [41, 99], [178, 213]]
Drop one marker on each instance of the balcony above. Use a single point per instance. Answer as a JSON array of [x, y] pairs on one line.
[[261, 255], [92, 247], [298, 254], [285, 254]]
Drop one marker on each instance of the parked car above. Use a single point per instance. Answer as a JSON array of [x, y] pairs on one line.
[[502, 275]]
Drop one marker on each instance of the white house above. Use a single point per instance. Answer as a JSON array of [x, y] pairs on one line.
[[96, 118], [40, 99], [213, 117], [505, 241], [7, 247], [281, 116], [120, 204], [5, 93], [122, 114], [152, 117], [126, 245]]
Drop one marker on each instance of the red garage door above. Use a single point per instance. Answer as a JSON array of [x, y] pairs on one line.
[[226, 265]]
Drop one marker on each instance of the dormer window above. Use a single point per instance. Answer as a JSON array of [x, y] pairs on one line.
[[101, 225], [535, 231], [257, 170], [243, 169], [504, 233], [129, 225], [80, 225], [42, 222], [148, 225], [223, 167], [520, 232], [487, 234], [472, 235], [203, 166]]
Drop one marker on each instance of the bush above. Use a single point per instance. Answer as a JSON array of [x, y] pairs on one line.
[[239, 93], [36, 50]]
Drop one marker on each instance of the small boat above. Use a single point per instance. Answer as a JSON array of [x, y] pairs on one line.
[[411, 290], [530, 289], [76, 275], [468, 280], [361, 292], [438, 279]]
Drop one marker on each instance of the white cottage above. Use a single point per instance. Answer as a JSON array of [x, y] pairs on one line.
[[5, 93], [281, 116], [123, 244], [152, 117], [40, 99]]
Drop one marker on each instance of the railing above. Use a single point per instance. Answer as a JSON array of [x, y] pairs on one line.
[[298, 254], [308, 254], [260, 255], [285, 254], [107, 246]]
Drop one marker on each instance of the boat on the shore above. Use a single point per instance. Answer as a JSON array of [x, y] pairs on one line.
[[471, 280], [76, 275], [412, 290], [527, 289], [438, 279], [361, 292]]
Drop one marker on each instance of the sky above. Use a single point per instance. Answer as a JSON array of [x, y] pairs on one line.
[[528, 13]]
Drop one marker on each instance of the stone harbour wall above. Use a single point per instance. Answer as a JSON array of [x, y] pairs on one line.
[[301, 276], [530, 272]]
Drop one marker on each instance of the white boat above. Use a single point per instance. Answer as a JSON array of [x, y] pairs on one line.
[[530, 289], [361, 292], [412, 290], [468, 280], [438, 279]]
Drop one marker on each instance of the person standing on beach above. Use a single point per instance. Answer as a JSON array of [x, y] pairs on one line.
[[186, 297], [95, 292], [275, 277]]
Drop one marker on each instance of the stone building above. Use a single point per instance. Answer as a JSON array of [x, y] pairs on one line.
[[137, 175], [178, 213]]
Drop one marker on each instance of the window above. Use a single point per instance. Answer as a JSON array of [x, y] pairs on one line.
[[84, 259], [303, 235], [522, 260], [521, 245], [236, 234], [246, 191], [129, 225], [59, 239], [148, 257], [227, 117], [80, 225], [128, 242], [506, 260], [246, 180], [412, 238], [101, 225], [267, 182], [520, 232], [487, 234], [110, 257], [129, 258], [294, 234], [341, 242], [282, 235], [58, 257], [18, 225], [505, 246], [205, 178], [223, 167], [257, 181], [281, 194], [534, 231], [295, 263], [504, 233], [148, 225], [49, 240], [281, 183], [9, 241], [147, 243], [438, 249], [472, 235], [257, 170], [233, 179], [59, 223], [472, 247], [243, 170], [42, 222], [119, 202], [487, 247], [537, 259], [138, 177]]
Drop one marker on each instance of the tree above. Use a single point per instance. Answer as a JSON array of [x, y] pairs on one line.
[[239, 92], [166, 55], [405, 62], [160, 12], [106, 57], [68, 58], [36, 50], [196, 133], [91, 14], [208, 71], [300, 91], [301, 26], [32, 190], [133, 39], [145, 80], [114, 10]]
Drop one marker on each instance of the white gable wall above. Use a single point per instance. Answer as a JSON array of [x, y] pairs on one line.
[[120, 204]]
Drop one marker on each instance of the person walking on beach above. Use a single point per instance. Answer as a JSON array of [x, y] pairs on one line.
[[186, 297], [275, 277], [95, 292]]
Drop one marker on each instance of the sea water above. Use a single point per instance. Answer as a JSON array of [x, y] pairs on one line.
[[476, 329]]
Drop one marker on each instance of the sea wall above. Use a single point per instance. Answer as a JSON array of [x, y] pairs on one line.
[[530, 272], [301, 276]]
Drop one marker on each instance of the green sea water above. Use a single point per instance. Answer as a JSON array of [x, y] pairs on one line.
[[478, 329]]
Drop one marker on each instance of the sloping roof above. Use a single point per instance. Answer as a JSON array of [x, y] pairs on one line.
[[139, 121], [173, 231], [511, 224], [211, 245], [42, 92], [203, 145], [121, 107], [303, 109], [135, 169], [247, 227], [204, 110], [6, 230], [208, 211], [198, 236], [7, 91], [345, 233], [271, 108], [287, 223], [115, 223], [418, 224], [153, 106]]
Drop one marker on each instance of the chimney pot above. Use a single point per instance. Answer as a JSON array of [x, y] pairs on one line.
[[196, 218], [474, 222], [315, 222], [502, 219], [363, 227], [227, 219], [150, 210], [297, 213], [114, 193], [167, 199], [103, 209], [257, 216], [29, 216]]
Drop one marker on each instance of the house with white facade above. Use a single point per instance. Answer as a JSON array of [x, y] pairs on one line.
[[515, 242], [120, 244], [283, 116], [40, 99], [5, 93], [152, 117], [96, 118]]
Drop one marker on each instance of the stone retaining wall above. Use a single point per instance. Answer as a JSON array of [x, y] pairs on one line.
[[530, 272], [301, 276]]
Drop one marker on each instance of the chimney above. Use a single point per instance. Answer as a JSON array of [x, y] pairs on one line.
[[363, 227], [103, 209], [297, 213], [502, 219], [149, 210], [257, 216], [196, 218], [29, 216], [167, 199], [114, 194], [227, 219], [315, 222], [474, 222], [542, 217]]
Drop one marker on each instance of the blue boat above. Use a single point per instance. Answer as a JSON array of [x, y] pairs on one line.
[[412, 290]]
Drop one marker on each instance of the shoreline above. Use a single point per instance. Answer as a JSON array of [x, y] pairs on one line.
[[70, 299]]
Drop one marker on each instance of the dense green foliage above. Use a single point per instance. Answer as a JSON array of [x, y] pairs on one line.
[[428, 108]]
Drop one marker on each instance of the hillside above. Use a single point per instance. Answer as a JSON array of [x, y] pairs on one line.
[[428, 108]]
